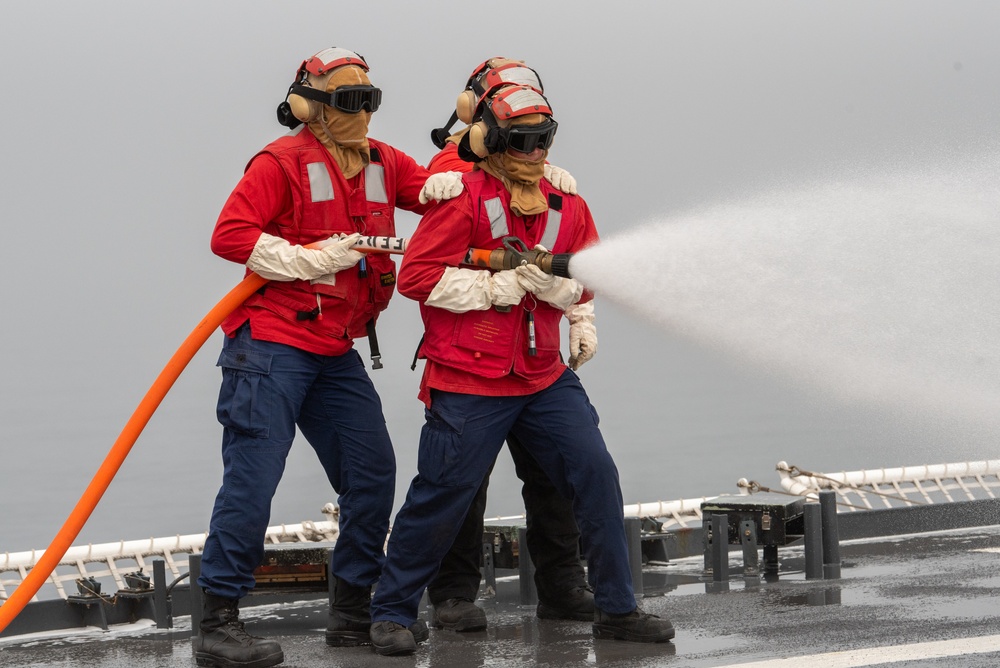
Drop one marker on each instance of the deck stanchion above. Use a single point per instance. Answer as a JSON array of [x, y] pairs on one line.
[[706, 543], [720, 548], [161, 607], [813, 542], [197, 597], [831, 535]]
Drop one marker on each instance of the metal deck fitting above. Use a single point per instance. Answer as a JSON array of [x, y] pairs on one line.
[[761, 520]]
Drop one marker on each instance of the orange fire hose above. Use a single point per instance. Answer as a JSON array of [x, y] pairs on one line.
[[113, 461], [140, 417]]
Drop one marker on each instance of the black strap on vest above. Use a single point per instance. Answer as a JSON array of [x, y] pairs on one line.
[[555, 202], [416, 353], [374, 155], [373, 344]]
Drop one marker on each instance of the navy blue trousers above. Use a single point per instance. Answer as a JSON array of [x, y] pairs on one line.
[[267, 390], [459, 442], [553, 539]]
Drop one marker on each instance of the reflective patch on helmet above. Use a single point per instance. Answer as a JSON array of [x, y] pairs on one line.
[[514, 101], [519, 75], [375, 184], [551, 229], [331, 58], [320, 184], [497, 217]]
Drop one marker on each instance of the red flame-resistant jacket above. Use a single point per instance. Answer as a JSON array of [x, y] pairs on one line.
[[293, 189], [486, 352]]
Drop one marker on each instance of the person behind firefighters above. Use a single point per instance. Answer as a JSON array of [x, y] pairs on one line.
[[552, 534], [288, 358], [491, 344]]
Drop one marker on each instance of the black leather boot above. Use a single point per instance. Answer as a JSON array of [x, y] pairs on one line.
[[350, 615], [391, 639], [223, 643], [459, 614], [575, 604], [635, 626]]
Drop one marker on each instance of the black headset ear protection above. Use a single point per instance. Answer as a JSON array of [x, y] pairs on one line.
[[295, 109], [465, 151], [486, 137], [286, 117]]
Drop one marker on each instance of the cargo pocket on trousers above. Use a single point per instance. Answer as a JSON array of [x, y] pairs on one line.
[[244, 399], [439, 459]]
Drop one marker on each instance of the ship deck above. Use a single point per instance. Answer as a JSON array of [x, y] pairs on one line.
[[916, 600]]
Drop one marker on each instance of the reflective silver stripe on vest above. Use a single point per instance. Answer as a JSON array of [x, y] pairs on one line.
[[320, 185], [497, 218], [375, 183], [551, 229]]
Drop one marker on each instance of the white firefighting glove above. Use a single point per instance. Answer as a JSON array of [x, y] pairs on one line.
[[277, 260], [556, 290], [560, 178], [441, 186], [461, 290], [582, 334], [506, 288]]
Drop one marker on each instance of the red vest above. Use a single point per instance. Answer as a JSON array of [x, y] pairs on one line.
[[491, 343], [324, 204]]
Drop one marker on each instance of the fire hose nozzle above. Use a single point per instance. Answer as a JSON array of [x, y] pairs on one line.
[[515, 254]]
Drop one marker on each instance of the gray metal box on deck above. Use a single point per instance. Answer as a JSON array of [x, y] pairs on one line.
[[778, 519]]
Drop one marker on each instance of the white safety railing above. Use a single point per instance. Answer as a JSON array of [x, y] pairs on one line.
[[111, 561], [677, 514], [898, 487], [856, 491]]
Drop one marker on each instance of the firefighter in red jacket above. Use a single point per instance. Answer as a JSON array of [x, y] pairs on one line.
[[553, 538], [288, 359], [493, 368]]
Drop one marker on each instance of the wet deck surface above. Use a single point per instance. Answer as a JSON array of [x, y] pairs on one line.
[[907, 601]]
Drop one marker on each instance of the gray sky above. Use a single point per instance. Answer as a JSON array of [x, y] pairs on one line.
[[126, 125]]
